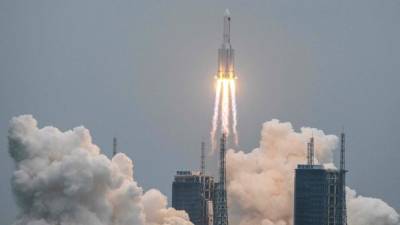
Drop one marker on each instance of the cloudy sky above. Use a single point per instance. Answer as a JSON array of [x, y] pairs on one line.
[[143, 71]]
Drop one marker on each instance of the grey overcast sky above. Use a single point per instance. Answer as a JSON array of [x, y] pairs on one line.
[[143, 71]]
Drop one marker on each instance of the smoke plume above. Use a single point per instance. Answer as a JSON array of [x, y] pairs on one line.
[[261, 182], [61, 178]]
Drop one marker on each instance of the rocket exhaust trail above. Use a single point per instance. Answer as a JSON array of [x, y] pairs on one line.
[[225, 97], [216, 112], [225, 107], [234, 111]]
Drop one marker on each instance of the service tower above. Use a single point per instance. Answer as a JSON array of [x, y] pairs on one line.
[[220, 204]]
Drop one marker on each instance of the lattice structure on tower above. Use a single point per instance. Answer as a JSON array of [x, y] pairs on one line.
[[221, 206], [343, 171], [310, 152], [203, 158], [320, 192], [114, 146]]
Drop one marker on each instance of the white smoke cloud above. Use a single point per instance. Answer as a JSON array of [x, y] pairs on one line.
[[260, 183], [61, 178], [369, 211], [155, 207]]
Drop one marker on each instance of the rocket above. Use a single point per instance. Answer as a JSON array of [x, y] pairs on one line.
[[225, 113], [226, 54]]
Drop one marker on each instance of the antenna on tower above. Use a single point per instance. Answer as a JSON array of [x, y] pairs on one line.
[[203, 159], [343, 177], [222, 161], [342, 151], [114, 146], [310, 152]]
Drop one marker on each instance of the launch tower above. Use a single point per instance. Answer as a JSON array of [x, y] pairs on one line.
[[220, 206], [342, 171], [319, 192]]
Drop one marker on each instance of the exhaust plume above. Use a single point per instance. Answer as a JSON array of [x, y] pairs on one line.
[[225, 110], [61, 178], [260, 183]]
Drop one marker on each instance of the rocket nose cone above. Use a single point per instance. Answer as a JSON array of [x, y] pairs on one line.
[[227, 13]]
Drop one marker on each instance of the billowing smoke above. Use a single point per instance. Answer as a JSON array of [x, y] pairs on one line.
[[260, 183], [61, 178], [369, 211]]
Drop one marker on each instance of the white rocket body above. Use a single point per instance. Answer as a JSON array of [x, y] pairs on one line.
[[226, 54]]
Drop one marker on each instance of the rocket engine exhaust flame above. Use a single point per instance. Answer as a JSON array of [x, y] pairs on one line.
[[216, 112], [225, 97], [225, 107], [224, 110], [234, 112]]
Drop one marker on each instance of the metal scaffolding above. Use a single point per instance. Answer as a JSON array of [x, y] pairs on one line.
[[220, 207]]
